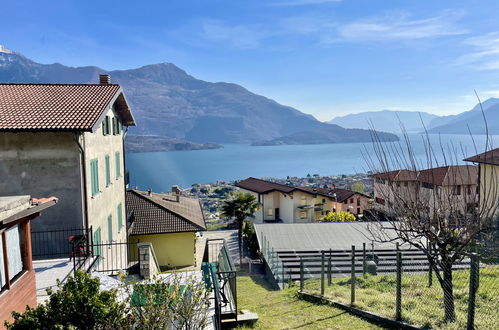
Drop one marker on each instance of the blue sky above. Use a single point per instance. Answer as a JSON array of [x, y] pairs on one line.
[[323, 57]]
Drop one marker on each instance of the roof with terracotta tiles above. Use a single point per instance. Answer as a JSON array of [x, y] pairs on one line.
[[262, 186], [162, 214], [450, 175], [489, 157], [56, 107], [398, 175], [440, 176]]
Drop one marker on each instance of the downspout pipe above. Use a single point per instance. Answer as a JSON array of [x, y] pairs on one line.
[[83, 175]]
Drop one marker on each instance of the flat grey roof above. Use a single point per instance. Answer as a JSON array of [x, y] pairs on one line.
[[10, 205], [319, 236]]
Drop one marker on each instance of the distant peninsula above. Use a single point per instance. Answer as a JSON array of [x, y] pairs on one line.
[[329, 133], [154, 143]]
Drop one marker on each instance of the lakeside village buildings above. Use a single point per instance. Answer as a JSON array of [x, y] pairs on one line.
[[63, 192]]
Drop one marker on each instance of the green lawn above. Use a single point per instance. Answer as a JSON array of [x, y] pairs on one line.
[[283, 310], [421, 305]]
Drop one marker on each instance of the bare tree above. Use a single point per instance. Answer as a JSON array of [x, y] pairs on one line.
[[441, 216]]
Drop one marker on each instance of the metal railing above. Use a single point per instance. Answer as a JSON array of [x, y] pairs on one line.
[[111, 258], [224, 283], [81, 249], [275, 264], [52, 244]]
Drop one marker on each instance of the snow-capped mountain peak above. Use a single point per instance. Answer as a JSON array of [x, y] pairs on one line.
[[4, 49]]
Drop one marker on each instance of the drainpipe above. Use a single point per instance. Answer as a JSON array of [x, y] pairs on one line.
[[83, 176], [125, 132]]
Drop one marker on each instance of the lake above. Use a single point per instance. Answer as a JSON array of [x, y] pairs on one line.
[[160, 170]]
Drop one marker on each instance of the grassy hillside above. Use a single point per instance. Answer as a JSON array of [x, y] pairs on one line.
[[283, 310]]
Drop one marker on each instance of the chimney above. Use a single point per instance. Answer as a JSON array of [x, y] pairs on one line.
[[176, 193], [149, 192], [104, 79]]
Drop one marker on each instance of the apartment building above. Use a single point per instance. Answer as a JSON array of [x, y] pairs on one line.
[[67, 140], [455, 186], [488, 163], [281, 203]]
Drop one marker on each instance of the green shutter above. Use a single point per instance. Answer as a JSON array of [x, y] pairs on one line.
[[118, 164], [106, 124], [97, 242], [120, 216], [108, 172], [94, 176], [110, 228]]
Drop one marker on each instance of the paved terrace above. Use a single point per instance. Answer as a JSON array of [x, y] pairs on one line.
[[47, 273]]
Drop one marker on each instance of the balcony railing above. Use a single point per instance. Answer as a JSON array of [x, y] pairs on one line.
[[219, 268]]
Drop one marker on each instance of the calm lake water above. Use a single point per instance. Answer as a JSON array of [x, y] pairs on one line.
[[160, 170]]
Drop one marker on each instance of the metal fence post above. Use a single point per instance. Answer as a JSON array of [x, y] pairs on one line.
[[272, 260], [363, 259], [329, 270], [301, 274], [322, 274], [398, 297], [282, 274], [430, 270], [474, 271], [352, 277]]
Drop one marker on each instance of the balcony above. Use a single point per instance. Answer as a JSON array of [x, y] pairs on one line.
[[305, 207], [319, 207]]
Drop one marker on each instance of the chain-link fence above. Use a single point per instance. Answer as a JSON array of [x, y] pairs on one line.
[[401, 285]]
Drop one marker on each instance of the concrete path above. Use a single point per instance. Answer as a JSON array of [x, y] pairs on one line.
[[231, 240]]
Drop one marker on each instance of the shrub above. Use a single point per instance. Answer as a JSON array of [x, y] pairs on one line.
[[77, 304], [249, 235], [340, 216]]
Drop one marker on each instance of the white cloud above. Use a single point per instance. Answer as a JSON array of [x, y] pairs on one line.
[[401, 27], [325, 28], [485, 54]]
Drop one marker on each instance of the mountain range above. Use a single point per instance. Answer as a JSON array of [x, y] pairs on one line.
[[168, 102], [387, 120]]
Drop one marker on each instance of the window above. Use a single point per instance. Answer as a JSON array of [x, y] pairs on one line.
[[351, 200], [270, 212], [456, 190], [110, 228], [358, 201], [94, 176], [117, 160], [97, 242], [427, 185], [108, 172], [303, 215], [358, 210], [380, 201], [14, 255], [406, 184], [106, 130], [303, 200], [323, 201], [120, 216], [116, 126], [468, 190]]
